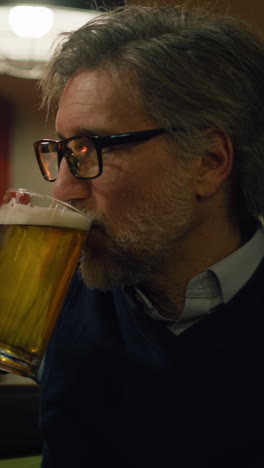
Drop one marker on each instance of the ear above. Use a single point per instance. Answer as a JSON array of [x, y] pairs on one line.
[[216, 165]]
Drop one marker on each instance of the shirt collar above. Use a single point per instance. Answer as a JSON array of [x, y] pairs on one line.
[[217, 285], [235, 270]]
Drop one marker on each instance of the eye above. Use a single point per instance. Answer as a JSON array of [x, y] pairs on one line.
[[116, 150]]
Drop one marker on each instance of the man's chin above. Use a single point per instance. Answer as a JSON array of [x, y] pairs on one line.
[[101, 270], [96, 275], [106, 265]]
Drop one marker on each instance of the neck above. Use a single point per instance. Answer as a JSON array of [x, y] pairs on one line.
[[192, 255]]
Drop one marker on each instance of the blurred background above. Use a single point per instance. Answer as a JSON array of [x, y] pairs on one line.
[[22, 58], [25, 47]]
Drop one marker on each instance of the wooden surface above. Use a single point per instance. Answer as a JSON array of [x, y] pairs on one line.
[[13, 379], [27, 462]]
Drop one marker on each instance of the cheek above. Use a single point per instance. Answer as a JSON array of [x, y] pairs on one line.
[[114, 197], [117, 186], [124, 188]]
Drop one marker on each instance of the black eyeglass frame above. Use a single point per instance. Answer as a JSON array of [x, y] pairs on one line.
[[99, 142]]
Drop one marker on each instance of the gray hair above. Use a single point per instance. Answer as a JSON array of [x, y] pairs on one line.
[[193, 69]]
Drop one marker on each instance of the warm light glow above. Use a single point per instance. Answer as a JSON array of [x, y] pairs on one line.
[[31, 21], [23, 51]]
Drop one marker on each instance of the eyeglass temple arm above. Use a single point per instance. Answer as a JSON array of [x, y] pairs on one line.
[[128, 137]]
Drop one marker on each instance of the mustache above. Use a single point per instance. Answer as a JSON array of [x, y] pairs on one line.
[[97, 219]]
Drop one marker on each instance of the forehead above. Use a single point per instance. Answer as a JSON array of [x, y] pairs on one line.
[[93, 99]]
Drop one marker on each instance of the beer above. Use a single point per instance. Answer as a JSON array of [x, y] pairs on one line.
[[39, 252]]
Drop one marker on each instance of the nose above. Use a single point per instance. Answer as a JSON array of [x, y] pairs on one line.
[[67, 187]]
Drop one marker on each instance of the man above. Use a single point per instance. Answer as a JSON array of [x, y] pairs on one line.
[[156, 359]]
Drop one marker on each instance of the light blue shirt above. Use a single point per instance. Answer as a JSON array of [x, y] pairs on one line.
[[215, 286]]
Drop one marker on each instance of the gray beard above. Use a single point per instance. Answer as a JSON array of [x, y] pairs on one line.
[[136, 248], [121, 265]]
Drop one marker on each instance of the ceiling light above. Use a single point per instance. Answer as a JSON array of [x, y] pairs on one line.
[[30, 21], [24, 53]]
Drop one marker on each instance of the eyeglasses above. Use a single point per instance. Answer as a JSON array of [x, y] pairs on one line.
[[83, 153]]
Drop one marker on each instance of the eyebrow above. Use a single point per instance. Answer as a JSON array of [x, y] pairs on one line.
[[85, 131]]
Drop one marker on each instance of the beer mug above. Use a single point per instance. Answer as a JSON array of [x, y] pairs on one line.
[[40, 244]]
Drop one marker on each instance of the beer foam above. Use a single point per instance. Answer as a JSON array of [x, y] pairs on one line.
[[16, 213]]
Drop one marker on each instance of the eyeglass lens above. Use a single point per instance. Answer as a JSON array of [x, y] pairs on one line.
[[48, 157], [80, 154]]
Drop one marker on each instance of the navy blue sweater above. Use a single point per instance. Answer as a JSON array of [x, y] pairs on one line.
[[119, 389]]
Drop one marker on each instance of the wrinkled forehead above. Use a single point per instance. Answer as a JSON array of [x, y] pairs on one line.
[[93, 99], [116, 79]]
